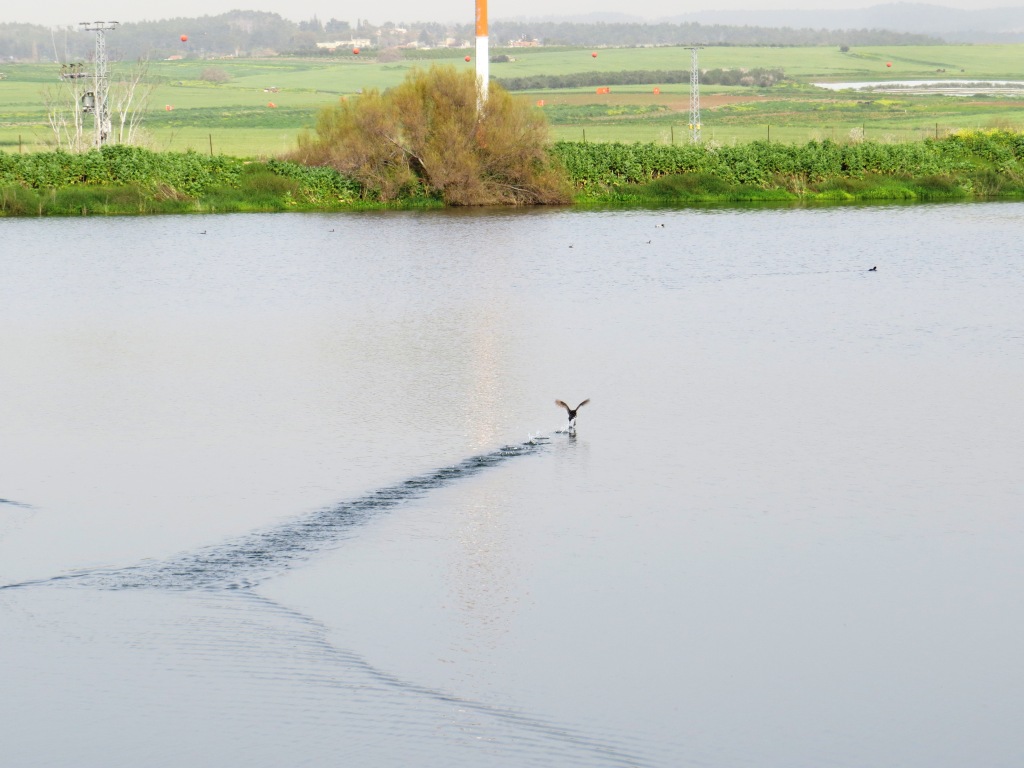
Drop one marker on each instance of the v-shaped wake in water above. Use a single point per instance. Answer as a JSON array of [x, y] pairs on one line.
[[251, 558], [228, 571]]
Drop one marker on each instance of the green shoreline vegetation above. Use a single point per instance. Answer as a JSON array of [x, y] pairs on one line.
[[120, 179], [425, 142], [967, 165]]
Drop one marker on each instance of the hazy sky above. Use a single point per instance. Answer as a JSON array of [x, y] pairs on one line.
[[67, 12]]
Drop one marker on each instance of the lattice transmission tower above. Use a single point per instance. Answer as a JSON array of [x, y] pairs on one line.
[[694, 95], [98, 101]]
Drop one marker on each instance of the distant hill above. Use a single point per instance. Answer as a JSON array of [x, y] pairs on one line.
[[991, 25]]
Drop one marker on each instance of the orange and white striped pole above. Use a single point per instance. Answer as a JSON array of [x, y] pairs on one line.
[[482, 57]]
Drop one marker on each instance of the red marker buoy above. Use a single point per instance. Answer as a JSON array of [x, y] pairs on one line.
[[594, 54], [888, 63], [355, 51], [467, 58], [184, 38]]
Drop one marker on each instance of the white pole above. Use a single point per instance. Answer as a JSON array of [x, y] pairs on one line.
[[483, 60]]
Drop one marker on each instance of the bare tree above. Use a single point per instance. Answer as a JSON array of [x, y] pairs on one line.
[[68, 103], [130, 96], [65, 108]]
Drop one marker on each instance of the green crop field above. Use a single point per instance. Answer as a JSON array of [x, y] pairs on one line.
[[265, 103]]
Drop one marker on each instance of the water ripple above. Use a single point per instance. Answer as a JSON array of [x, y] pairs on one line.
[[11, 503], [505, 729], [254, 557]]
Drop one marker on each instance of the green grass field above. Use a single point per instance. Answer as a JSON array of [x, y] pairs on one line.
[[236, 117]]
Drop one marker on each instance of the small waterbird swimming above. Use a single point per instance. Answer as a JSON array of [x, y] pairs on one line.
[[571, 411], [873, 269]]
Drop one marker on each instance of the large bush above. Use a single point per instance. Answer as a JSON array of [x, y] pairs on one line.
[[430, 136]]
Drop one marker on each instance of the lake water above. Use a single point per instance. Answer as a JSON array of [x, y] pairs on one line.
[[290, 490], [945, 87]]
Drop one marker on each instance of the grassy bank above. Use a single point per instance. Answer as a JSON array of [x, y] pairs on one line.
[[130, 180], [968, 165], [964, 165]]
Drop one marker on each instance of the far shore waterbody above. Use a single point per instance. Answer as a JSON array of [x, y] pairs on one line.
[[940, 87]]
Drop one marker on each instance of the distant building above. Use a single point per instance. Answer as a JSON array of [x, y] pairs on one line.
[[361, 42], [535, 43]]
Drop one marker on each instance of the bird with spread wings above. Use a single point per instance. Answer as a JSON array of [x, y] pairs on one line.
[[571, 411]]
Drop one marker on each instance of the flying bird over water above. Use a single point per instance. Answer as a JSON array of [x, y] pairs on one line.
[[571, 411]]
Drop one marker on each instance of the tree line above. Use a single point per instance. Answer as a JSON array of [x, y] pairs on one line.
[[693, 33], [248, 33], [760, 77]]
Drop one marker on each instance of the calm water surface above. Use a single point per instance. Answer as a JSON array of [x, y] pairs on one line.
[[291, 492]]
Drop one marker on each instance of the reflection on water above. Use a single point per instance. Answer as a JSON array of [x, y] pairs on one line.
[[484, 574], [253, 488]]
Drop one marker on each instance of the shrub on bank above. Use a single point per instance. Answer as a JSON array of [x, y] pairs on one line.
[[434, 136]]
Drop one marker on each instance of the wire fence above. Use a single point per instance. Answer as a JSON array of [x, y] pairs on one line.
[[786, 134]]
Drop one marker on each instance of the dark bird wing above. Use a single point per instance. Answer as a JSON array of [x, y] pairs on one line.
[[563, 405], [583, 403]]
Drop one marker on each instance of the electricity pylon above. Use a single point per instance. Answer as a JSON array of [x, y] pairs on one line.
[[694, 95], [100, 106]]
